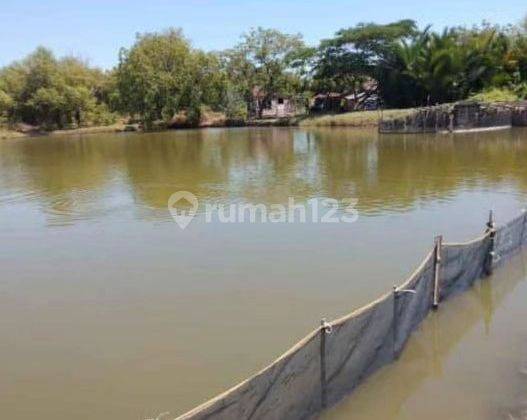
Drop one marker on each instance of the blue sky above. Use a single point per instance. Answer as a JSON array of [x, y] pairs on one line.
[[96, 29]]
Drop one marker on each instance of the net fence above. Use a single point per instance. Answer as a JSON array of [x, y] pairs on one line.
[[456, 117], [334, 359]]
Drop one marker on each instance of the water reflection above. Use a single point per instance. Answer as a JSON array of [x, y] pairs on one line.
[[72, 178], [98, 289]]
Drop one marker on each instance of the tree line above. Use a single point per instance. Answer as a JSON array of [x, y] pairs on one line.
[[162, 75]]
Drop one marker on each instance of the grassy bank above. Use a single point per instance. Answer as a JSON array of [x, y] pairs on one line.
[[352, 119], [6, 133], [348, 119]]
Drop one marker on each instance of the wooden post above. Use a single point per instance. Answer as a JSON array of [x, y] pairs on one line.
[[437, 270], [522, 237], [491, 230], [394, 322], [324, 329]]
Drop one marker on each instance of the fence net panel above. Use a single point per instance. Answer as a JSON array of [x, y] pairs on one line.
[[357, 346], [330, 362], [510, 237], [413, 301], [289, 388], [462, 264]]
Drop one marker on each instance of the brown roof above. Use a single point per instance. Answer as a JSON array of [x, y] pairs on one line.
[[328, 95]]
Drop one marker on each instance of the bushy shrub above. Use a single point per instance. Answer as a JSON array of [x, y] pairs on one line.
[[53, 93], [496, 95], [235, 107]]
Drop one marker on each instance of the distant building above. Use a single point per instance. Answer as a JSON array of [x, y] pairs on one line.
[[364, 99], [337, 102], [278, 106], [353, 101], [327, 102]]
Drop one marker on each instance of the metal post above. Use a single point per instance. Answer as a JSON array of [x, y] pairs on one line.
[[437, 269], [491, 230]]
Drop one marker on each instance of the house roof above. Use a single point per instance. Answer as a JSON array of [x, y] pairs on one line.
[[328, 95], [353, 96]]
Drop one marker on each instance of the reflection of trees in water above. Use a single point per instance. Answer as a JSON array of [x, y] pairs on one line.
[[157, 165], [260, 165], [395, 171], [66, 176]]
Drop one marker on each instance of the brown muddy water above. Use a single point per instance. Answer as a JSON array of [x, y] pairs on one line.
[[109, 310]]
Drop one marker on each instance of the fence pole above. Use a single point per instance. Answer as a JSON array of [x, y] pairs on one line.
[[325, 329], [491, 229], [522, 237], [437, 269], [394, 322]]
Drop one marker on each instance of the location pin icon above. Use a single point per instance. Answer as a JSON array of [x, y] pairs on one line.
[[183, 217]]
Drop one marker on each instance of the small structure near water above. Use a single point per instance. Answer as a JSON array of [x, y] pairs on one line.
[[337, 102], [363, 99], [460, 117], [275, 106], [280, 107], [327, 102]]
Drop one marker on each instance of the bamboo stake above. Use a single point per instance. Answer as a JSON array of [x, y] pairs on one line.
[[394, 323], [325, 329], [437, 269], [491, 229], [522, 237]]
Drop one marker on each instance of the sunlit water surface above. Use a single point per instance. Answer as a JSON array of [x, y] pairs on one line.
[[109, 310]]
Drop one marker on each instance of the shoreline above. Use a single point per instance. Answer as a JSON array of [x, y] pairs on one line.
[[15, 134], [357, 119]]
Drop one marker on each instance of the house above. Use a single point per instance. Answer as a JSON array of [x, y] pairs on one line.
[[337, 102], [353, 101], [364, 101], [327, 102], [277, 106]]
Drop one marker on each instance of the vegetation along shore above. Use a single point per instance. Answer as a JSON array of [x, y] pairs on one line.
[[268, 78]]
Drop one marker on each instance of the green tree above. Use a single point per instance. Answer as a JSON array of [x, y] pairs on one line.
[[52, 93], [6, 103], [264, 60], [162, 75], [414, 67], [234, 105], [365, 51]]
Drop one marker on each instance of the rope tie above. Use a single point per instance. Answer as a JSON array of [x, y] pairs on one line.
[[411, 291], [325, 326]]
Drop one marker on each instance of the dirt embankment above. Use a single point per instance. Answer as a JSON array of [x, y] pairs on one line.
[[349, 119], [24, 130]]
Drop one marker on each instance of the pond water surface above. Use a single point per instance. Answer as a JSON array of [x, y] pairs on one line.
[[109, 310]]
